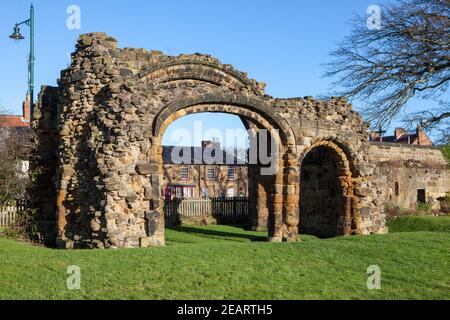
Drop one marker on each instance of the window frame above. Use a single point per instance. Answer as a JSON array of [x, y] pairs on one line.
[[233, 178], [214, 173], [231, 194], [183, 175]]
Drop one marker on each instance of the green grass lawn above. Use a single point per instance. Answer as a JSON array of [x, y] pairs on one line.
[[224, 262]]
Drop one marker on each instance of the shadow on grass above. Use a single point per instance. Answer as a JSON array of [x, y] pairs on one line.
[[217, 233]]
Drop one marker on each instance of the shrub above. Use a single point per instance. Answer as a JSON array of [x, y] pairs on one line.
[[393, 211], [446, 151], [15, 148], [445, 203], [419, 223], [25, 226], [424, 208]]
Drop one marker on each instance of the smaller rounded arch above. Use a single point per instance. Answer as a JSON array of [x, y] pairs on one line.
[[200, 70], [342, 149], [328, 206], [257, 110]]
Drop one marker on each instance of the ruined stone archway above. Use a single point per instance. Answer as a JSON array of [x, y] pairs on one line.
[[328, 205], [256, 113], [99, 135], [209, 71]]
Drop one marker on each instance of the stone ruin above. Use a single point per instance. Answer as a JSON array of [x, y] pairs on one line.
[[100, 141]]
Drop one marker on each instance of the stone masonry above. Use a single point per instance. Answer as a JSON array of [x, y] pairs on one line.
[[101, 131], [402, 172]]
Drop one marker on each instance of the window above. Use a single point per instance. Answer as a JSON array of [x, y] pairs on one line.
[[178, 193], [421, 196], [397, 189], [188, 192], [231, 174], [167, 193], [211, 174], [184, 173]]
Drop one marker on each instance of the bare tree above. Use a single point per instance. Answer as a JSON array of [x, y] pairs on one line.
[[436, 119], [15, 146], [408, 56]]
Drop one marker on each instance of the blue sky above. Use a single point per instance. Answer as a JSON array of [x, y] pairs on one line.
[[282, 43]]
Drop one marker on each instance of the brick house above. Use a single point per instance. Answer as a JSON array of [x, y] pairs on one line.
[[198, 177], [419, 137], [17, 121]]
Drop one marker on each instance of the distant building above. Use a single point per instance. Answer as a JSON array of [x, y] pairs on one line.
[[196, 177], [403, 136], [15, 121], [19, 124]]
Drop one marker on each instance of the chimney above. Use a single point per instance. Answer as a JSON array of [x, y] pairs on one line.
[[26, 108], [399, 132], [374, 136], [422, 138], [215, 144], [206, 143]]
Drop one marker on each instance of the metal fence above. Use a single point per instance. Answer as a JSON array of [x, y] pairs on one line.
[[220, 208]]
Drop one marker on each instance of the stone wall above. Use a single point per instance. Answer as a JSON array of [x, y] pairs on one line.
[[113, 108], [43, 164], [403, 170]]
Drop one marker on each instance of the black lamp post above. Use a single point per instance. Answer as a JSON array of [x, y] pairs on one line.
[[16, 35]]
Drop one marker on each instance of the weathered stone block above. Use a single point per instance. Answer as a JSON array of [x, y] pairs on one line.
[[144, 168]]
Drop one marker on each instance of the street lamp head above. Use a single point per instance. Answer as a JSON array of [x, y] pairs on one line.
[[16, 34]]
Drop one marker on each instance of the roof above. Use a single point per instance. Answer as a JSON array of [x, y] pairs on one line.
[[199, 155], [13, 121], [402, 139], [401, 136], [181, 185]]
